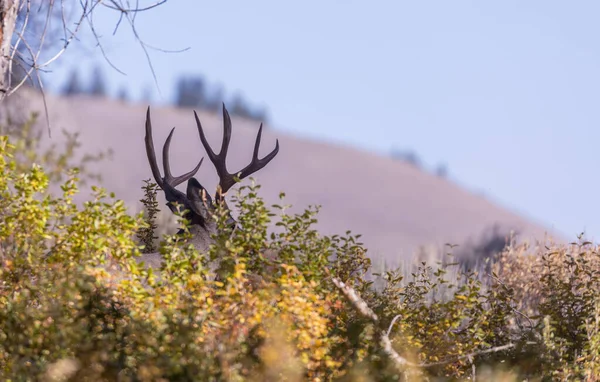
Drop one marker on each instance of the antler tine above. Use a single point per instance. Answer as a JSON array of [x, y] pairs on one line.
[[169, 179], [256, 164], [188, 175], [226, 135], [150, 151], [165, 157], [218, 160], [226, 180]]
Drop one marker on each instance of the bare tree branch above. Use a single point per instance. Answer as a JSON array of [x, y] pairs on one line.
[[130, 15], [16, 47], [363, 309], [11, 56], [386, 344], [392, 324], [118, 7]]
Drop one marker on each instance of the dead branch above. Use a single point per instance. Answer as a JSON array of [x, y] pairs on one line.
[[386, 344], [10, 56], [363, 309]]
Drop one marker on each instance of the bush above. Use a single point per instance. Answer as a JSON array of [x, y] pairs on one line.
[[60, 305], [291, 304]]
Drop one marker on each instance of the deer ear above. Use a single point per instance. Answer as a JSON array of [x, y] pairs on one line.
[[199, 199]]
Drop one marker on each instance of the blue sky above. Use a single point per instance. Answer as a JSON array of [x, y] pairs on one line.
[[506, 94]]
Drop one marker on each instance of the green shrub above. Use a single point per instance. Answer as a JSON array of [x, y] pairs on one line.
[[76, 305], [146, 235]]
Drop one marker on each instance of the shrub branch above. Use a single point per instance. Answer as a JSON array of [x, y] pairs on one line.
[[401, 363]]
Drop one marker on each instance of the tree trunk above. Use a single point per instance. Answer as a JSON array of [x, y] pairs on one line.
[[8, 20]]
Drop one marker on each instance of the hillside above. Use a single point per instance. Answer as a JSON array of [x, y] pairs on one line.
[[395, 206]]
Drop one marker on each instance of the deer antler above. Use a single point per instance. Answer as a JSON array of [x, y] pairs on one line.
[[168, 182], [226, 180]]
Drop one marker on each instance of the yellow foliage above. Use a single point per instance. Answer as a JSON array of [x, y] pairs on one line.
[[66, 314]]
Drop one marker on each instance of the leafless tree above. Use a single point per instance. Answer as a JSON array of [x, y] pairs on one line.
[[29, 30]]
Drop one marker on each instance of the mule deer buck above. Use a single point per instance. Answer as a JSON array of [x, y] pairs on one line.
[[196, 201]]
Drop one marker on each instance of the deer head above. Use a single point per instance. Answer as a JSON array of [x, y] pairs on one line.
[[196, 201]]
